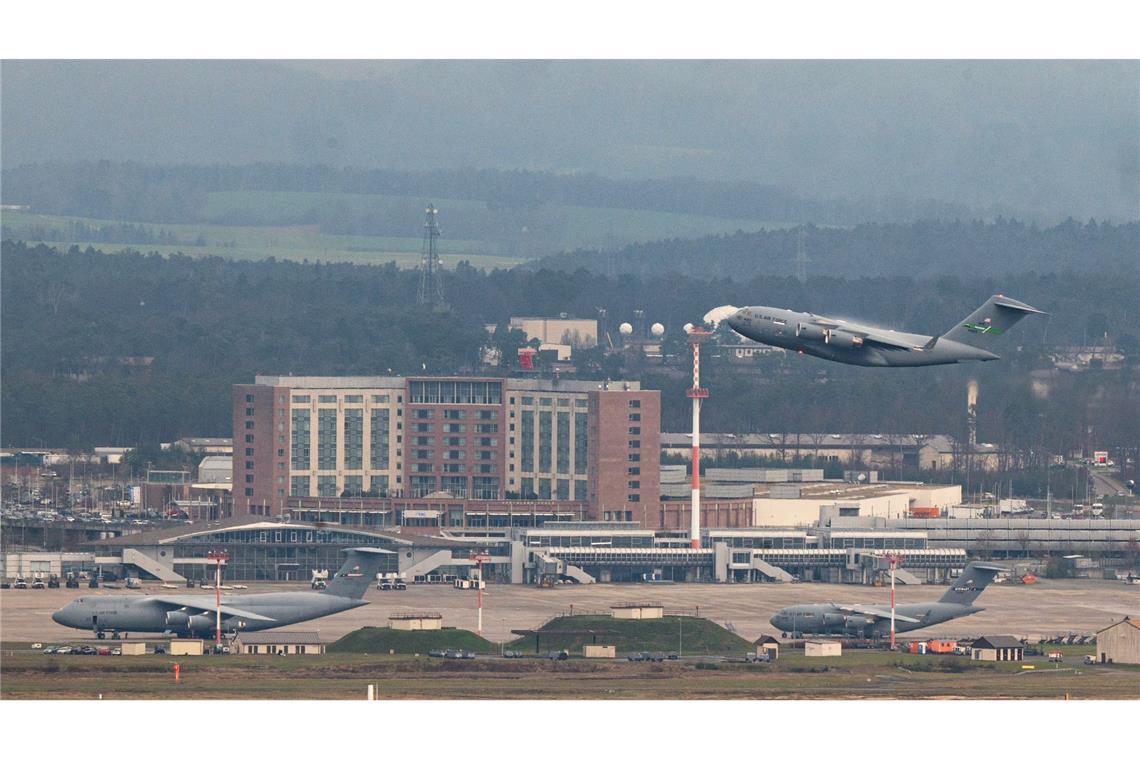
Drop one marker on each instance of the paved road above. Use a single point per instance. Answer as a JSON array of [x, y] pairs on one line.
[[1047, 608]]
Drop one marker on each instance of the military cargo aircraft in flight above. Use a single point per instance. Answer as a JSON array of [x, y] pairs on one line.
[[870, 621], [839, 340], [195, 615]]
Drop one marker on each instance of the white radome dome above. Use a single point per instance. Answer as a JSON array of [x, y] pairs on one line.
[[688, 328], [657, 329], [625, 328]]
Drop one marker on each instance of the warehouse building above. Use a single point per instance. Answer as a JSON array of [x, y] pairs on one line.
[[852, 450], [465, 439], [1119, 643]]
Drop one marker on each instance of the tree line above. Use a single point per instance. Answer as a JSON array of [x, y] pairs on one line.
[[132, 348]]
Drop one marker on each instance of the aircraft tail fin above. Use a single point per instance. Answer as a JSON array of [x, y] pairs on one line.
[[357, 572], [970, 584], [997, 315]]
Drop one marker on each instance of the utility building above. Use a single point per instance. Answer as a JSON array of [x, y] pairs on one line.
[[997, 649]]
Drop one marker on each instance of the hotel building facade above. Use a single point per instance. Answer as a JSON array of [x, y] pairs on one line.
[[464, 440]]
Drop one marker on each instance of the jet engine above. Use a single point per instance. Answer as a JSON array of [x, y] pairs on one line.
[[858, 622], [842, 339], [810, 331], [831, 620], [176, 619], [202, 622]]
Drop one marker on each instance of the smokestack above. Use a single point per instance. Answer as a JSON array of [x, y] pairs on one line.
[[972, 412]]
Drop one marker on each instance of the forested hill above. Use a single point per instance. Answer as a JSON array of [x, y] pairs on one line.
[[921, 249], [135, 348]]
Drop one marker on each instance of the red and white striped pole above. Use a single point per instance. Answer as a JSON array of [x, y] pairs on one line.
[[697, 394], [219, 558]]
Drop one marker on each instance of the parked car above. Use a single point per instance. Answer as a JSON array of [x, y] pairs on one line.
[[1090, 659], [512, 654], [435, 653], [560, 654]]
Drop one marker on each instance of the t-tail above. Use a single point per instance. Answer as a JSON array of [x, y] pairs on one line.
[[991, 319], [970, 584], [357, 572]]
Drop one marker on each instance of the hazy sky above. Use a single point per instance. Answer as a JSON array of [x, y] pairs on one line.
[[1046, 138]]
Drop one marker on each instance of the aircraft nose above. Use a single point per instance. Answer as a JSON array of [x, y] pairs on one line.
[[774, 621], [58, 616], [736, 318]]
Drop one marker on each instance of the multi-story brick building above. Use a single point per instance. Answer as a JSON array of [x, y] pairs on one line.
[[457, 438]]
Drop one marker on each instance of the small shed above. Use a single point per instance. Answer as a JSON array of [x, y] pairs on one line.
[[823, 648], [187, 646], [599, 651], [280, 642], [1120, 642], [638, 611], [415, 621], [997, 649], [767, 645], [133, 648]]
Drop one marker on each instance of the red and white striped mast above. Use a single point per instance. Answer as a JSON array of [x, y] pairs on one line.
[[697, 335], [219, 557]]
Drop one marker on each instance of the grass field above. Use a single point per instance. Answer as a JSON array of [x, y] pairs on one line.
[[384, 640], [286, 228], [290, 243], [866, 675], [695, 636]]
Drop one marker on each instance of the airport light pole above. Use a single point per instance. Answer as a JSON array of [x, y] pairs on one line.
[[479, 560], [893, 559], [219, 557]]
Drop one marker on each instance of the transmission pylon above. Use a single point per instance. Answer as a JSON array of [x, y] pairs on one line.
[[431, 274]]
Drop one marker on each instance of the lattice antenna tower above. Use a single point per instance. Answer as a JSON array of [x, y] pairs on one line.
[[801, 260], [431, 275]]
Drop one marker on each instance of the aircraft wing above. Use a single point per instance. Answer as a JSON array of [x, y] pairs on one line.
[[888, 339], [195, 603], [862, 609]]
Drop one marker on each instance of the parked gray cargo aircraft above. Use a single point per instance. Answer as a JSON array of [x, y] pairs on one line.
[[195, 615], [852, 343], [869, 621]]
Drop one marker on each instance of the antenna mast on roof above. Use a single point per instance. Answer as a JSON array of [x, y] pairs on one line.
[[431, 276]]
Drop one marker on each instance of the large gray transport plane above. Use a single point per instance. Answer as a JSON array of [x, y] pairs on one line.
[[195, 615], [852, 343], [869, 621]]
